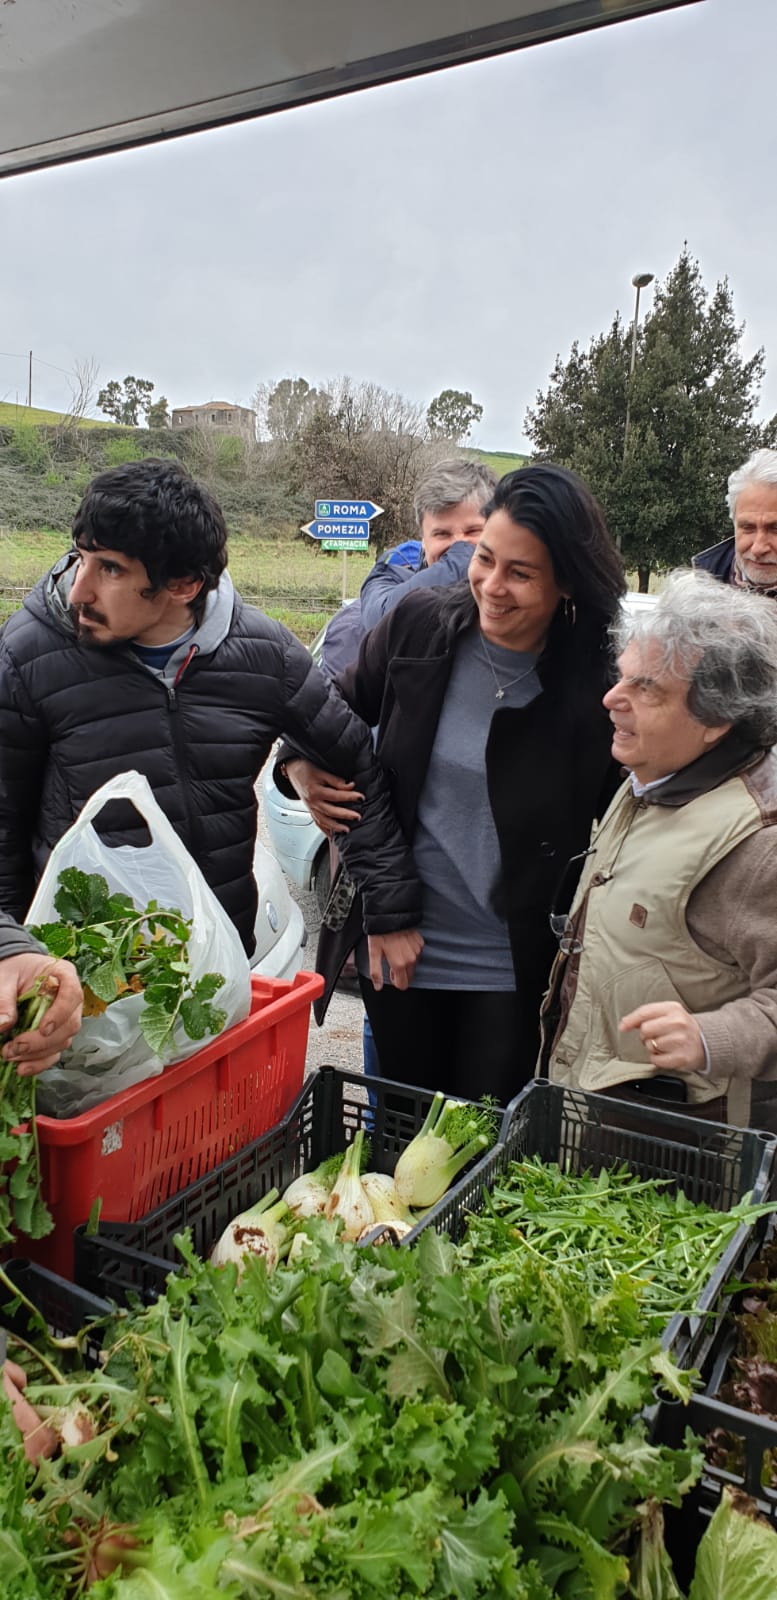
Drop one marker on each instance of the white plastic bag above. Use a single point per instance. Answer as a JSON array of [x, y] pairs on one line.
[[109, 1054]]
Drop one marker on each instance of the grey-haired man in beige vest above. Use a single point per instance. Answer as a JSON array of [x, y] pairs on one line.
[[665, 986]]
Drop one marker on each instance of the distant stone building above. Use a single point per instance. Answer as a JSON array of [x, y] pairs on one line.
[[217, 416]]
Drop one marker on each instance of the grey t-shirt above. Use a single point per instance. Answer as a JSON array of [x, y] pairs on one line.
[[456, 850]]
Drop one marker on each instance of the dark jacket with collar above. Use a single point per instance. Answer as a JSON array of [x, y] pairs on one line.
[[548, 766], [718, 559], [73, 716]]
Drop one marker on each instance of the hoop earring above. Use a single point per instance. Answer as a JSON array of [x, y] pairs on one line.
[[570, 611]]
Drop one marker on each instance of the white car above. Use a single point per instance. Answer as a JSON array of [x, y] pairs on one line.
[[279, 929], [297, 841], [299, 845]]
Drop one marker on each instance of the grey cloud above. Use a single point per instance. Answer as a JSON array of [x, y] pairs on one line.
[[456, 229]]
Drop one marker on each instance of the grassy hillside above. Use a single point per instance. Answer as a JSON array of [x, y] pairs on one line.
[[12, 416], [45, 470], [501, 460]]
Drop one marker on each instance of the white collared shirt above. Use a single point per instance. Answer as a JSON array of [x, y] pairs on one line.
[[638, 788]]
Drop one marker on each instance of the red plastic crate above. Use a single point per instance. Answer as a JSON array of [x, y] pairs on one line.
[[139, 1148]]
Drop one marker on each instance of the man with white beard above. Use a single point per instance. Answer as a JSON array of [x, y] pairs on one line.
[[749, 558]]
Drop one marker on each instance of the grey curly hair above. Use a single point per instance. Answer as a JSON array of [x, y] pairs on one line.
[[721, 639]]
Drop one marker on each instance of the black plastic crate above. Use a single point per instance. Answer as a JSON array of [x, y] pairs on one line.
[[135, 1257], [65, 1307], [753, 1435], [707, 1161], [756, 1435]]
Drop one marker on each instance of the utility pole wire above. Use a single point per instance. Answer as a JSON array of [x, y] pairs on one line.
[[18, 355]]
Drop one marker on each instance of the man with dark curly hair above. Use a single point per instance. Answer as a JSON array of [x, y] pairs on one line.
[[135, 653]]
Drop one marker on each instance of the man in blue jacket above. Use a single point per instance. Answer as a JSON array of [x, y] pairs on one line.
[[340, 645], [448, 506], [448, 503]]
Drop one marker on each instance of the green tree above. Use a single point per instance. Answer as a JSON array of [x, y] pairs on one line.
[[452, 415], [126, 402], [289, 405], [159, 413], [691, 404]]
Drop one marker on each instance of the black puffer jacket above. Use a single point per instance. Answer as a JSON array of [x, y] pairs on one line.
[[73, 716]]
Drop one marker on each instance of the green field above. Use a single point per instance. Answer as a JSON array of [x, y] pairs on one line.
[[32, 417], [290, 580], [294, 582], [501, 460]]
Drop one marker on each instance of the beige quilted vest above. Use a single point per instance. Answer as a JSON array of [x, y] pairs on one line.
[[648, 860]]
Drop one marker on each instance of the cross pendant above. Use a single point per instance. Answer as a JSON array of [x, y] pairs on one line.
[[500, 694]]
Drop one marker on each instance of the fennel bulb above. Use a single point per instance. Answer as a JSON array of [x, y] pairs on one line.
[[348, 1199], [381, 1192], [452, 1135], [308, 1195], [256, 1232]]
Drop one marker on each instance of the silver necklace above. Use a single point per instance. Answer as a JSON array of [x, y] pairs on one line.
[[502, 687]]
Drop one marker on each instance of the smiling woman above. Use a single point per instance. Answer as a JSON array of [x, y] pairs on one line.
[[487, 696], [512, 579]]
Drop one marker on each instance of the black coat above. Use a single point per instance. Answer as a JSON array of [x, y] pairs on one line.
[[548, 766], [718, 559], [72, 716]]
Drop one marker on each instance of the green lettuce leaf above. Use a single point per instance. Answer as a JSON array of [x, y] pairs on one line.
[[737, 1558]]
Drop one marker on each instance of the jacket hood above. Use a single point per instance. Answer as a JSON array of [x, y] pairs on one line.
[[50, 600], [405, 555]]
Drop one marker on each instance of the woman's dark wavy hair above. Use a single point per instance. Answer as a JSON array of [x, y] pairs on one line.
[[154, 511], [559, 509]]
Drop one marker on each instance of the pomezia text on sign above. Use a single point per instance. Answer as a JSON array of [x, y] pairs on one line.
[[335, 529]]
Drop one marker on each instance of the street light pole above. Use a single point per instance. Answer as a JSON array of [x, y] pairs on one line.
[[640, 281]]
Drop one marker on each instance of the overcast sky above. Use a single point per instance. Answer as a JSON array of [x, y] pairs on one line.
[[456, 230]]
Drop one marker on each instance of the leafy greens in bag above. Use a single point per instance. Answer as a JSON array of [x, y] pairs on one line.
[[118, 949]]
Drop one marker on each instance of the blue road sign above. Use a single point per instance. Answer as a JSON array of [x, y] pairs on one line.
[[350, 510], [336, 529]]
